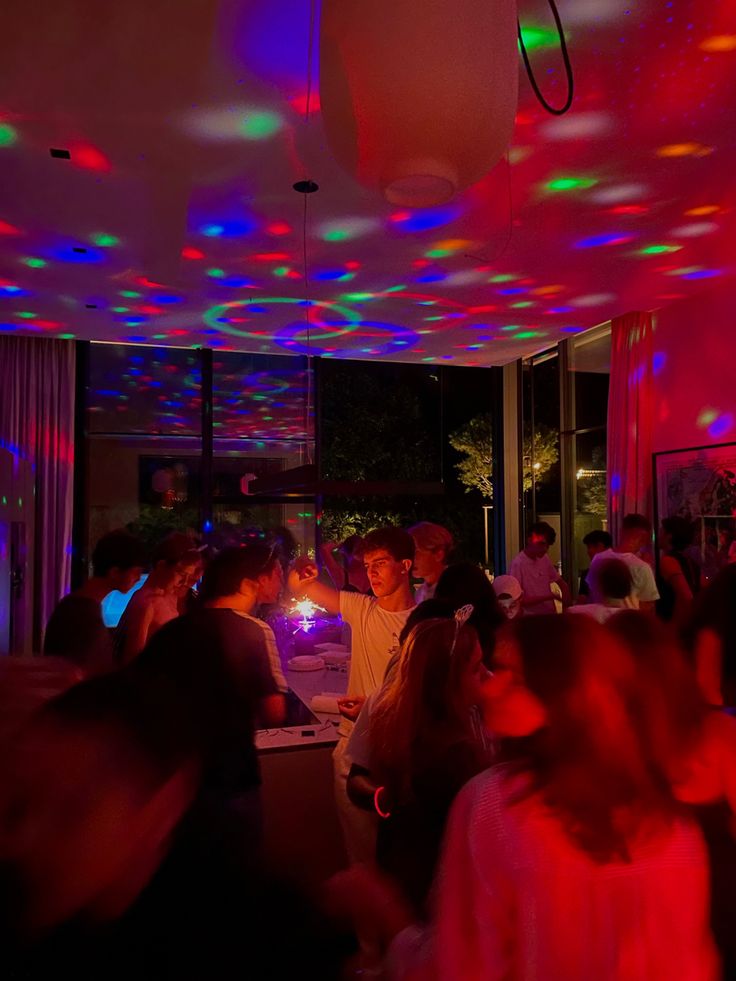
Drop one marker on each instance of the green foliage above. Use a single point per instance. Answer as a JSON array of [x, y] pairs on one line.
[[592, 497], [474, 441], [155, 523]]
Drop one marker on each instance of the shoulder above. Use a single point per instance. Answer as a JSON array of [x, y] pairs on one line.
[[356, 604], [669, 566]]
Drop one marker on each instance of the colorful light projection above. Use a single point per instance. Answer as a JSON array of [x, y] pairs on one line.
[[627, 177]]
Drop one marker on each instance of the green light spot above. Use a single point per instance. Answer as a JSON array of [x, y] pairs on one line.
[[34, 262], [539, 37], [267, 418], [659, 249], [25, 314], [336, 235], [437, 253], [345, 278], [66, 337], [502, 278], [120, 309], [395, 289], [356, 297], [130, 294], [259, 125], [510, 327], [281, 271], [571, 183], [430, 319], [524, 334], [105, 241], [5, 500], [8, 135], [159, 337], [216, 273], [521, 304]]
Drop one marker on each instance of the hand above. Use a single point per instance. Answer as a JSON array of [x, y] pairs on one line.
[[301, 574], [350, 706], [372, 902]]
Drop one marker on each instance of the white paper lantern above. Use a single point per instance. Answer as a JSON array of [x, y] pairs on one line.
[[418, 96]]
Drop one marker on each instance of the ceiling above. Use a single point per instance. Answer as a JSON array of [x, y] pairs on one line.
[[175, 222]]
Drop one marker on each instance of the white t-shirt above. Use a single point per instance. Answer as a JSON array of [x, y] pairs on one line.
[[375, 639], [535, 577], [643, 586], [599, 611], [272, 649]]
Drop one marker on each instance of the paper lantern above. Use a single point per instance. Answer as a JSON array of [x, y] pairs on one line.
[[418, 96]]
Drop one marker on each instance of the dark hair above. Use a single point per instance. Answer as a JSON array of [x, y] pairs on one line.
[[397, 542], [680, 531], [227, 570], [636, 522], [353, 545], [430, 609], [542, 528], [118, 550], [598, 537], [614, 579], [591, 762], [714, 609], [176, 547], [464, 583]]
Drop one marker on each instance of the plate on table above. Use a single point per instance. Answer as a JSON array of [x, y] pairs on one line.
[[306, 662]]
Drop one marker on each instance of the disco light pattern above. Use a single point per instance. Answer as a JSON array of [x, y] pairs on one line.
[[179, 226]]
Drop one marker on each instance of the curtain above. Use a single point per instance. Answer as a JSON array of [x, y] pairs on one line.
[[37, 379], [630, 410]]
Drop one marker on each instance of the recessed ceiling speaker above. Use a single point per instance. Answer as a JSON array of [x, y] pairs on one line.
[[60, 154], [419, 97]]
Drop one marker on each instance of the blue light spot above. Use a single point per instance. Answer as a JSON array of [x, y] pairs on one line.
[[722, 425], [658, 362], [329, 274], [702, 274], [423, 221], [432, 278], [227, 229], [607, 238], [235, 282], [167, 299], [14, 291], [616, 482], [512, 291], [67, 254], [8, 326]]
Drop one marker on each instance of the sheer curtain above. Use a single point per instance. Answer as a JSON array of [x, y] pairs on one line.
[[37, 423], [630, 410]]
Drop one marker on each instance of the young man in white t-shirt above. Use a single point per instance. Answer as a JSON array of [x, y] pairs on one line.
[[636, 534], [536, 574], [375, 622]]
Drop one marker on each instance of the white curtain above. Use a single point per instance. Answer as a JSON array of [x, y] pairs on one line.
[[37, 422]]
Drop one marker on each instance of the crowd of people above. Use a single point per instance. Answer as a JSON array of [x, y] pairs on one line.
[[528, 787]]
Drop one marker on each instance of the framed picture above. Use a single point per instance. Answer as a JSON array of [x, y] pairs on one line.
[[699, 483]]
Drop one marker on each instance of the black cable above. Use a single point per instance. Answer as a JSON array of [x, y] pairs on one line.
[[565, 58]]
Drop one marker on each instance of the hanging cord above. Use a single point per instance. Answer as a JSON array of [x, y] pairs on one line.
[[565, 58]]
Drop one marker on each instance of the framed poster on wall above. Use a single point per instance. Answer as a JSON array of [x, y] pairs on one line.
[[696, 482]]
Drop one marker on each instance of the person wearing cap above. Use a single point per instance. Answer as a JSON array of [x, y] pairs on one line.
[[433, 545], [508, 592], [156, 602]]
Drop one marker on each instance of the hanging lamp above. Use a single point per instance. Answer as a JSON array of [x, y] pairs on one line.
[[418, 96]]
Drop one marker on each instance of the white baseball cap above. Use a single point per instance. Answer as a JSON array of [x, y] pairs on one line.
[[507, 586]]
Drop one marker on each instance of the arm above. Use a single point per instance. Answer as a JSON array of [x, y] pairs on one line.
[[361, 787], [334, 569], [302, 581], [565, 590], [646, 587], [272, 711]]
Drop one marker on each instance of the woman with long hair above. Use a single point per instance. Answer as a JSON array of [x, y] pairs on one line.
[[424, 747], [466, 583], [572, 858]]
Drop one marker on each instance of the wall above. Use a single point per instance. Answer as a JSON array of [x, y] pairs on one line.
[[695, 371]]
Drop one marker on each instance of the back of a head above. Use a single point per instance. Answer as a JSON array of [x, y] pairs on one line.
[[225, 573], [465, 582], [636, 522], [589, 760], [352, 546], [118, 550], [614, 579], [544, 530], [176, 547], [681, 532], [598, 537], [430, 609], [427, 534], [397, 542]]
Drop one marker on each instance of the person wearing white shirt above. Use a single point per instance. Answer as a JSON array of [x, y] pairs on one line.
[[375, 622], [636, 533], [536, 574], [614, 581]]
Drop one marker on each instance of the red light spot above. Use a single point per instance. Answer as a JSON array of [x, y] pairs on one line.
[[420, 263], [188, 252], [352, 265], [400, 216], [524, 118], [149, 309], [278, 228], [484, 309], [299, 103], [8, 229], [628, 209], [46, 324], [293, 274], [90, 158], [142, 281], [270, 256], [178, 332]]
